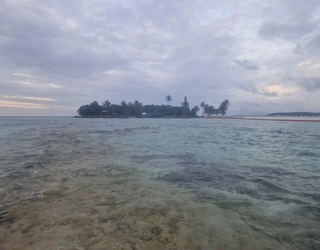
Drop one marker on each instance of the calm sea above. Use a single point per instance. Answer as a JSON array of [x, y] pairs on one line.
[[144, 184]]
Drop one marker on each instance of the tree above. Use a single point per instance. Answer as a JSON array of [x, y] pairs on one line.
[[223, 108], [211, 110], [130, 109], [115, 109], [84, 110], [168, 98], [107, 106], [124, 107], [206, 109], [194, 111], [202, 105], [216, 111], [185, 107], [95, 108], [138, 108]]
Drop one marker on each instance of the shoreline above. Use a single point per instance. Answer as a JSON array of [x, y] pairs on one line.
[[264, 119], [293, 119], [132, 117]]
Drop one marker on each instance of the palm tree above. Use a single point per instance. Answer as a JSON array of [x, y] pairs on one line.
[[227, 104], [168, 98], [216, 111], [224, 107], [202, 105], [210, 110], [206, 109]]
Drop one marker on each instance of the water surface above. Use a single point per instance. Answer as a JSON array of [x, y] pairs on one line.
[[158, 184]]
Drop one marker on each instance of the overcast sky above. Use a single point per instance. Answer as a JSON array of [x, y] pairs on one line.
[[261, 55]]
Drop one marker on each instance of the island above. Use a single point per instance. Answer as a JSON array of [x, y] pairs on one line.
[[138, 110]]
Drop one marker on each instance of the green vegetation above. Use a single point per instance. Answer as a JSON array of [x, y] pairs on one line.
[[135, 109], [210, 110]]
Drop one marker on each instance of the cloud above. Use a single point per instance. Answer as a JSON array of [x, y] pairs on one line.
[[30, 98], [246, 64], [310, 84], [75, 52], [310, 45], [298, 49], [260, 90], [288, 31], [289, 78], [296, 22], [314, 44], [20, 105], [52, 85]]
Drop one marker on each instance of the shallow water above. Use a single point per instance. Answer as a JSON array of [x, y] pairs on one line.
[[158, 184]]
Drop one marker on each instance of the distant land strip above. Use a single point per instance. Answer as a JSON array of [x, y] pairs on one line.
[[308, 114], [266, 118]]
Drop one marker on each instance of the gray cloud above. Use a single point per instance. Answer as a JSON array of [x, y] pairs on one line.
[[295, 21], [298, 49], [314, 44], [78, 51], [310, 84], [289, 78], [246, 64], [289, 31], [270, 94], [296, 9], [259, 90]]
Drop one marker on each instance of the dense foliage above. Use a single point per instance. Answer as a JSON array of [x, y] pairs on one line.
[[136, 109], [211, 110]]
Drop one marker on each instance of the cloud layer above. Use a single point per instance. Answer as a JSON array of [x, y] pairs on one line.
[[263, 56]]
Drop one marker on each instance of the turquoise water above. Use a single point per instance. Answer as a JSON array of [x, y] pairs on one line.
[[70, 183]]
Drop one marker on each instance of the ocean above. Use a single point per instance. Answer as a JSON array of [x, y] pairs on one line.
[[141, 184]]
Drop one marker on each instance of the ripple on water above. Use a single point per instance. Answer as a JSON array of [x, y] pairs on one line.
[[158, 184]]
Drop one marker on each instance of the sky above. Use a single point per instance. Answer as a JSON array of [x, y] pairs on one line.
[[261, 55]]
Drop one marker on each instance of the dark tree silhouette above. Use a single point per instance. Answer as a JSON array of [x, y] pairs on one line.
[[124, 107], [136, 108], [168, 98], [202, 105], [223, 108]]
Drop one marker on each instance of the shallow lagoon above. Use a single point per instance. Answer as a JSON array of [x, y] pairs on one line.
[[158, 184]]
